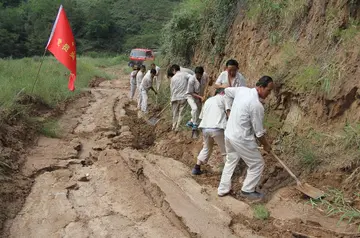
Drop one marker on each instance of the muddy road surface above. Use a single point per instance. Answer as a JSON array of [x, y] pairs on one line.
[[99, 179], [91, 183]]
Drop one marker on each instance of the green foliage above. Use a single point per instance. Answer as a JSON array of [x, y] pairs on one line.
[[306, 78], [261, 212], [197, 24], [275, 37], [348, 34], [271, 13], [50, 128], [308, 158], [352, 136], [102, 26], [19, 75], [336, 204]]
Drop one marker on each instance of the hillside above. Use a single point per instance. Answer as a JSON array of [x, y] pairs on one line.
[[110, 26], [311, 49]]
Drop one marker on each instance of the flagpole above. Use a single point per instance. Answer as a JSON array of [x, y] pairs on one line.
[[37, 75]]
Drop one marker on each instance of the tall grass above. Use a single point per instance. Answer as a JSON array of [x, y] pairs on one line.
[[19, 75]]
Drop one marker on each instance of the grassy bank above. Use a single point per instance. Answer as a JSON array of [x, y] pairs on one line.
[[19, 76]]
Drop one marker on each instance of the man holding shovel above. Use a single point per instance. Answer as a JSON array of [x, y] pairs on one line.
[[145, 86], [139, 78], [245, 120], [157, 76], [133, 81], [213, 125], [178, 88]]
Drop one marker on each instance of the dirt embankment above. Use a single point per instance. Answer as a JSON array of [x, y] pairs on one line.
[[17, 132], [312, 52]]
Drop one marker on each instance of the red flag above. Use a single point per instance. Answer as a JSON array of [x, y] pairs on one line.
[[62, 45]]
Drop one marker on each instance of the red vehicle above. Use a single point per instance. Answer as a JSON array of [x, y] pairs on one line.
[[138, 56]]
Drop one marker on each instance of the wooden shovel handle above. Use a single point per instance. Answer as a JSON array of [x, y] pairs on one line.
[[163, 110], [287, 169]]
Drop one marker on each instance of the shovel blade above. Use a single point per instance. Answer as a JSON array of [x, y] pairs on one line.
[[310, 191], [153, 121]]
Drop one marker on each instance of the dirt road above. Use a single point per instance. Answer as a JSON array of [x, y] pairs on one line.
[[93, 183], [84, 187]]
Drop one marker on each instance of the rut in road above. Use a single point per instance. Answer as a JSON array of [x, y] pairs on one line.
[[83, 187]]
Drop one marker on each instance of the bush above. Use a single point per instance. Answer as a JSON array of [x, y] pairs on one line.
[[194, 24]]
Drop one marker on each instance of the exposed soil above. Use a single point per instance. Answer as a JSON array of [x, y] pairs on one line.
[[95, 82], [111, 174]]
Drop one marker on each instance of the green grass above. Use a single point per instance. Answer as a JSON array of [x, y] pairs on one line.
[[272, 122], [308, 158], [270, 13], [352, 136], [336, 204], [261, 212], [19, 75], [348, 34], [306, 78], [50, 128]]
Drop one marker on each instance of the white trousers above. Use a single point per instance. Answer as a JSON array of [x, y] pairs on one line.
[[138, 92], [132, 88], [143, 100], [210, 137], [157, 81], [177, 113], [253, 159], [195, 105]]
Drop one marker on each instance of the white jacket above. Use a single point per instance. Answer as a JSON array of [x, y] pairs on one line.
[[223, 78], [246, 116], [213, 113], [179, 85]]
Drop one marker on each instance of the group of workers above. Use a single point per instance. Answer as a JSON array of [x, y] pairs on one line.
[[143, 82], [232, 118]]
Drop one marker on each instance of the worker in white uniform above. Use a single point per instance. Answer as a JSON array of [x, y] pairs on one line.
[[231, 76], [178, 88], [194, 98], [186, 70], [157, 76], [145, 86], [213, 124], [244, 126], [170, 73], [139, 77], [133, 81]]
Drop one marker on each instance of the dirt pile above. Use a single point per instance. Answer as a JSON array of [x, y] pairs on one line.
[[95, 82]]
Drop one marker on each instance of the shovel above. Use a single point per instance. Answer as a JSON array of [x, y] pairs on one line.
[[154, 120], [305, 188]]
